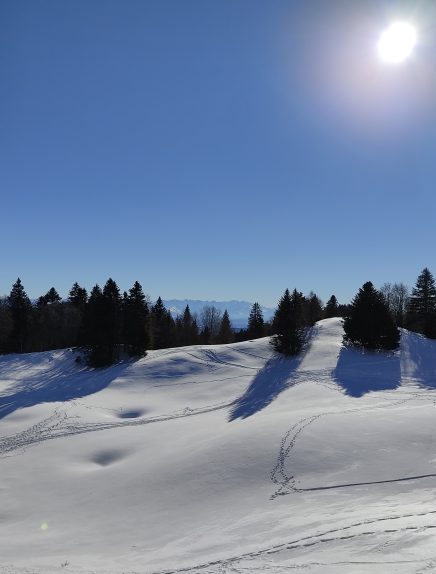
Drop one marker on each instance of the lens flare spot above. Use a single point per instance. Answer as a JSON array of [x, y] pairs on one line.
[[44, 526], [397, 42]]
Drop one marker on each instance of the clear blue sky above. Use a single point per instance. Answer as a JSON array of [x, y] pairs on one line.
[[218, 149]]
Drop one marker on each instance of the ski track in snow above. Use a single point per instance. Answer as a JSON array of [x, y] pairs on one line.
[[287, 483], [57, 425], [327, 536], [62, 424]]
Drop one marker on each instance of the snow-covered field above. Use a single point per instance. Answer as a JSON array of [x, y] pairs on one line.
[[221, 459]]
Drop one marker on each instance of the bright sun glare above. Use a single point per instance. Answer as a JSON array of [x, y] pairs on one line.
[[397, 42]]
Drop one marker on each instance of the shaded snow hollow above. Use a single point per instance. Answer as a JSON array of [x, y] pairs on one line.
[[221, 459]]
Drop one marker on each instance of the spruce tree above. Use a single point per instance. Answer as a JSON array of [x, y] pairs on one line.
[[136, 322], [370, 323], [112, 320], [163, 325], [77, 300], [332, 308], [188, 328], [313, 309], [6, 325], [93, 332], [20, 309], [256, 324], [103, 324], [78, 296], [287, 325], [225, 333], [421, 316]]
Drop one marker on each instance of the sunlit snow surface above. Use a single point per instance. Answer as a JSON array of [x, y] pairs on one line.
[[221, 459]]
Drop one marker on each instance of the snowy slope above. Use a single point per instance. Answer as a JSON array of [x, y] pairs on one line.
[[221, 459]]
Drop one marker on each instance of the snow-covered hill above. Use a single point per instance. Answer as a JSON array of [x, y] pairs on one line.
[[221, 459]]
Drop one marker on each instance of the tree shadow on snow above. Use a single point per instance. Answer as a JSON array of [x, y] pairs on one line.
[[274, 378], [56, 385], [359, 372]]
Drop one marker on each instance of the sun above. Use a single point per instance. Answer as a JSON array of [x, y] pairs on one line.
[[397, 42]]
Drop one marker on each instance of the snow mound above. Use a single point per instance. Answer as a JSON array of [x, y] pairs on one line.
[[221, 459]]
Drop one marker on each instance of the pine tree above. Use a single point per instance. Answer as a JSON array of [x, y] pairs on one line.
[[188, 328], [225, 334], [332, 308], [370, 323], [20, 309], [93, 320], [288, 326], [78, 296], [103, 324], [313, 309], [52, 296], [163, 326], [112, 320], [6, 325], [77, 300], [421, 316], [256, 324], [136, 321]]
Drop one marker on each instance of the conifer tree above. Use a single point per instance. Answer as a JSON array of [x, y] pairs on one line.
[[256, 324], [421, 316], [20, 309], [313, 309], [93, 321], [112, 320], [78, 296], [103, 324], [287, 326], [5, 325], [136, 321], [77, 300], [52, 296], [225, 333], [370, 323], [188, 327], [332, 308], [163, 325]]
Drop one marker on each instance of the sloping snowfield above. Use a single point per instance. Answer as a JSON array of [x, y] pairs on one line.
[[221, 459]]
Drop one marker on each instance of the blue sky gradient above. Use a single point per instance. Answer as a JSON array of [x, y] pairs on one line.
[[215, 150]]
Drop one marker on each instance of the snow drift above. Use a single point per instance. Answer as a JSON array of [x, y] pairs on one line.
[[221, 459]]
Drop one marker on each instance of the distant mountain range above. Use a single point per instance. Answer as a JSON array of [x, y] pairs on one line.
[[238, 310]]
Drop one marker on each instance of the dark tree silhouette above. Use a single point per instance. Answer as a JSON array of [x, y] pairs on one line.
[[256, 323], [136, 324], [421, 315], [287, 326], [332, 308], [163, 326], [78, 296], [312, 309], [103, 325], [225, 333], [370, 323], [188, 328], [20, 309]]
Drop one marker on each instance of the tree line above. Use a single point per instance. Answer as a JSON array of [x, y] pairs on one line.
[[106, 324], [372, 320]]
